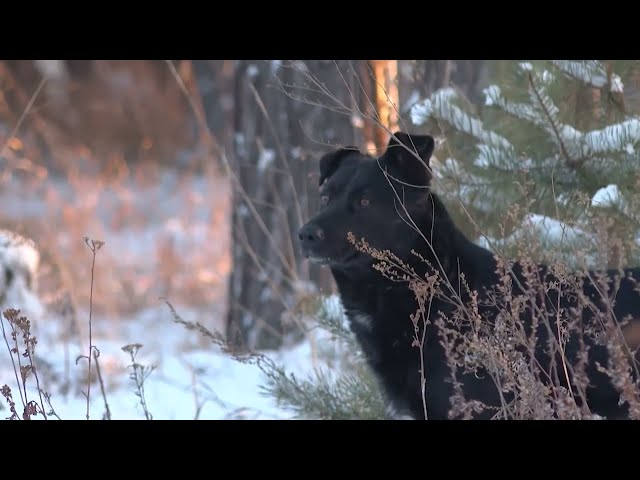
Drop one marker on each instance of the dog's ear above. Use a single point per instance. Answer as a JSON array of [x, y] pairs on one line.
[[330, 162], [401, 153]]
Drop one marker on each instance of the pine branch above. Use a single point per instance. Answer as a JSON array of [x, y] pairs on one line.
[[353, 394], [550, 117], [520, 111], [349, 396], [440, 106], [613, 138], [590, 72]]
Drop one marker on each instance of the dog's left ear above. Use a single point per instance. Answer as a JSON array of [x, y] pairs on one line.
[[330, 162], [401, 154]]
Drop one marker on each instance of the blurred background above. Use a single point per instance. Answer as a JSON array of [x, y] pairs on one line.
[[144, 155], [197, 174]]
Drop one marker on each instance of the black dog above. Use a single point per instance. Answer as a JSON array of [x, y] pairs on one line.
[[387, 202]]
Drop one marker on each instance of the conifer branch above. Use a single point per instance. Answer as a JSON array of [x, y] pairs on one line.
[[570, 161]]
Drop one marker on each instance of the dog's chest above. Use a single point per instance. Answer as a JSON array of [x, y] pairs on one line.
[[377, 336]]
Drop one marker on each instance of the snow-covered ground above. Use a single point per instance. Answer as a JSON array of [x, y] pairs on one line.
[[166, 236], [190, 380]]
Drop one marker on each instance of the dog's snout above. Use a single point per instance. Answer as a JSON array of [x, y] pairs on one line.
[[310, 234]]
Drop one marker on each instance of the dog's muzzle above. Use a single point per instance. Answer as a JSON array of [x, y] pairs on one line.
[[310, 236]]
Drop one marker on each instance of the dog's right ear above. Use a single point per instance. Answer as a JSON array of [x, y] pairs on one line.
[[330, 162], [400, 154]]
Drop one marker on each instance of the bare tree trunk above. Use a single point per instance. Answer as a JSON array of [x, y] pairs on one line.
[[387, 99], [215, 79], [281, 127]]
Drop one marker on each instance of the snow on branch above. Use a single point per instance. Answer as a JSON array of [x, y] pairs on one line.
[[547, 110], [548, 230], [440, 106], [489, 156], [493, 97], [591, 72], [614, 138], [606, 196]]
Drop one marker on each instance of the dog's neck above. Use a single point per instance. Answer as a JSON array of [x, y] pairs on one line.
[[443, 247]]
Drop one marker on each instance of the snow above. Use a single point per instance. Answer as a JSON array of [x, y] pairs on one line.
[[607, 196], [552, 228], [275, 65], [497, 157], [616, 84], [18, 252], [267, 156], [441, 106], [180, 220], [614, 138], [570, 135], [482, 160], [547, 77], [591, 72], [252, 71], [520, 110], [19, 257], [357, 121], [420, 112], [412, 100], [544, 227], [190, 380], [333, 306], [492, 93]]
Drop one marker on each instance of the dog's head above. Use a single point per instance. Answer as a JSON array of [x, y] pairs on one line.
[[372, 198]]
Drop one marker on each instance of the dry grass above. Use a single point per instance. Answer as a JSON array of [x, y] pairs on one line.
[[503, 344], [21, 346], [19, 336]]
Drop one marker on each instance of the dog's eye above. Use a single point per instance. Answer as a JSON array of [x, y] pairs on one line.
[[364, 202]]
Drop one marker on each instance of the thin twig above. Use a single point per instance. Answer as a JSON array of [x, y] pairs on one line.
[[24, 114], [94, 247], [15, 370], [35, 371], [96, 354]]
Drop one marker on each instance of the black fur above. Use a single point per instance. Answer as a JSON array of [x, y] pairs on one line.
[[330, 162], [361, 194]]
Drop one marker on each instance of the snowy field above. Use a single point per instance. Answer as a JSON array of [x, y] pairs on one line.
[[165, 237], [188, 381]]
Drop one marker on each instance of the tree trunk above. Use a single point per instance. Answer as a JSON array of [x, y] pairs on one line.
[[281, 127], [215, 80], [386, 96]]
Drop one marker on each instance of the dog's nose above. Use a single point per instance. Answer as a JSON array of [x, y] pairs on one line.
[[310, 234]]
